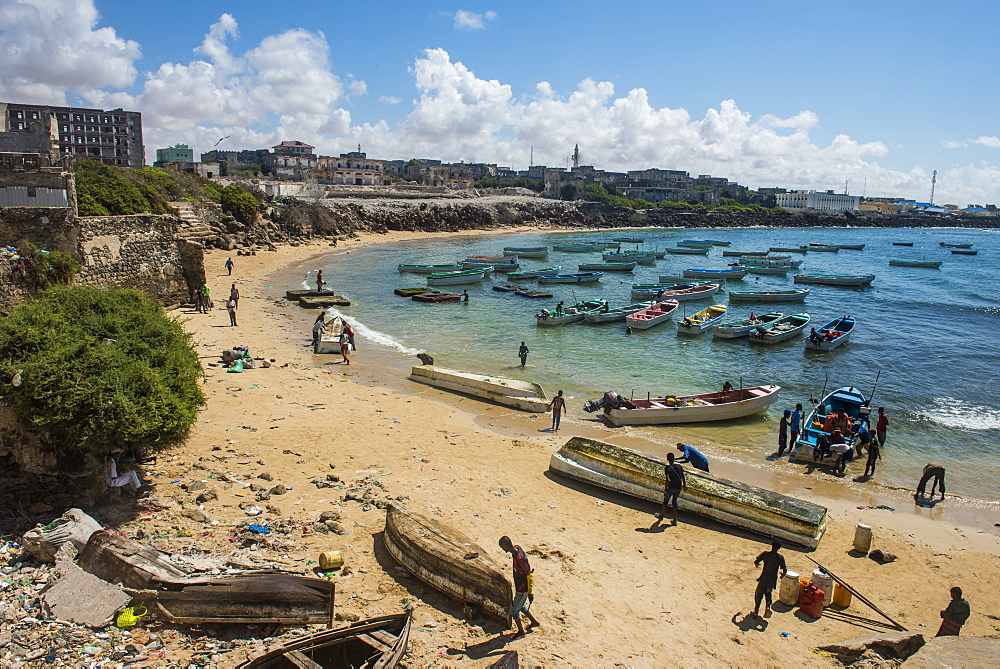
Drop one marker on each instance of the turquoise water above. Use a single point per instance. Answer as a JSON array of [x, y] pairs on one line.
[[929, 334]]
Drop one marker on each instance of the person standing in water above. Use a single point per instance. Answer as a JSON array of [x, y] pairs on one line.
[[522, 353], [881, 425], [319, 280]]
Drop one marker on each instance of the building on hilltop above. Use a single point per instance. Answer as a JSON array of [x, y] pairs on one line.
[[354, 168], [291, 160], [113, 136], [178, 153], [33, 179], [827, 201]]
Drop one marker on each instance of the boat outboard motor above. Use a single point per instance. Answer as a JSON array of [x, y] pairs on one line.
[[611, 400]]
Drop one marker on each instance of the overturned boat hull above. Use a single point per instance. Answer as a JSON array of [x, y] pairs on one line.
[[732, 502], [522, 395]]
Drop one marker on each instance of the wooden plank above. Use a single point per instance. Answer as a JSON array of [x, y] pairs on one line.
[[385, 637], [299, 659], [374, 643]]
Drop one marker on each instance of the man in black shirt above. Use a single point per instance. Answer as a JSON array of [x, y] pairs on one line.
[[768, 579], [674, 483]]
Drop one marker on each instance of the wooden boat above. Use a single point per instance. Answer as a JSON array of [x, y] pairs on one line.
[[607, 267], [707, 407], [410, 292], [448, 561], [460, 277], [702, 321], [573, 314], [742, 328], [533, 273], [848, 398], [526, 251], [734, 273], [616, 314], [701, 251], [932, 264], [741, 254], [763, 512], [628, 240], [437, 298], [964, 252], [694, 244], [851, 247], [533, 293], [700, 292], [789, 249], [655, 291], [659, 255], [765, 269], [375, 643], [509, 288], [576, 248], [823, 248], [780, 330], [660, 312], [902, 243], [506, 265], [717, 242], [488, 259], [578, 277], [667, 279], [772, 261], [946, 245], [604, 245], [429, 269], [794, 295], [329, 341], [640, 258], [834, 279], [522, 395], [830, 336]]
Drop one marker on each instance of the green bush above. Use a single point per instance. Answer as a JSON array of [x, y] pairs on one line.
[[41, 269], [104, 190], [82, 394], [242, 205]]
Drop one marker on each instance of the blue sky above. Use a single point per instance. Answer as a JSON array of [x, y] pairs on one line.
[[798, 94]]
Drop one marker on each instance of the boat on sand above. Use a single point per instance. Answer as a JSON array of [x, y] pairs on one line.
[[623, 470], [448, 561], [806, 448], [673, 410], [523, 395]]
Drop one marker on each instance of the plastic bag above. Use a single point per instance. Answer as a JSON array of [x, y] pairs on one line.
[[236, 367], [44, 540]]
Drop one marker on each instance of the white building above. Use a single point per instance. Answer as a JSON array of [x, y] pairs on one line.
[[828, 201]]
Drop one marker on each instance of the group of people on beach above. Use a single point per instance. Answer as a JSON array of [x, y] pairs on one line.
[[346, 339], [838, 434]]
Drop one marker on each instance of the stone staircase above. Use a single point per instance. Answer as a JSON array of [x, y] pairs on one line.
[[191, 228]]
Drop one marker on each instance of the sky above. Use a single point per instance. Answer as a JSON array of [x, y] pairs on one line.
[[871, 96]]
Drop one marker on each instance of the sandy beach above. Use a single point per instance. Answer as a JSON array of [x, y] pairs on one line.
[[608, 590]]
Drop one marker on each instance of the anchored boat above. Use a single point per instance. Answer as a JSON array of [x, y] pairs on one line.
[[578, 277], [794, 295], [533, 273], [607, 267], [742, 328], [835, 279], [522, 395], [526, 251], [702, 321], [830, 336], [429, 269], [572, 314], [460, 277], [735, 273], [650, 316], [932, 264], [673, 410], [780, 330], [748, 507], [617, 314]]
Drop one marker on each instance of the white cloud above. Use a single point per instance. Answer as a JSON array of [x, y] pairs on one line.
[[466, 20], [48, 47], [389, 99], [953, 144], [992, 142]]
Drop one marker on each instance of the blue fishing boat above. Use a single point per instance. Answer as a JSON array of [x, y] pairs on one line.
[[830, 336], [809, 446], [734, 273], [533, 273]]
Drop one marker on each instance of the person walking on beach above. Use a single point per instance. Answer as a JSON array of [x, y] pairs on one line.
[[931, 471], [880, 425], [319, 280], [873, 455], [231, 308], [197, 300], [692, 455], [229, 266], [522, 353], [768, 579], [674, 483], [953, 617], [234, 295], [349, 331], [523, 581], [783, 432], [557, 405], [206, 300], [319, 327], [345, 345], [795, 423]]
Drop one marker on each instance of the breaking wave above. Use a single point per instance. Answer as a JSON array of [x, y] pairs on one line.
[[955, 413], [362, 330]]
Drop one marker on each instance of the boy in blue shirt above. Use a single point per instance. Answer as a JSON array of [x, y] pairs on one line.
[[692, 455]]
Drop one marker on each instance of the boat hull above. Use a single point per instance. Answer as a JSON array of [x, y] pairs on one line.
[[714, 273], [833, 280], [848, 398], [457, 278], [745, 402], [429, 269], [652, 316], [614, 315], [702, 321], [743, 328], [791, 325], [522, 395], [435, 554], [844, 326], [689, 251], [773, 296], [930, 264], [734, 503], [533, 274], [583, 277], [608, 267]]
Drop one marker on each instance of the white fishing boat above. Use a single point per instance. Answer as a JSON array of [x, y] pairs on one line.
[[607, 267], [429, 269], [616, 314], [694, 244], [577, 277], [623, 470], [661, 312], [700, 251], [526, 251], [701, 321], [835, 279], [456, 278], [707, 407], [742, 328], [734, 273], [780, 330], [830, 336], [533, 273], [576, 248], [568, 315], [640, 258], [793, 295], [778, 270], [522, 395]]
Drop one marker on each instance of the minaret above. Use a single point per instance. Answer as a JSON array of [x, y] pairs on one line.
[[576, 156]]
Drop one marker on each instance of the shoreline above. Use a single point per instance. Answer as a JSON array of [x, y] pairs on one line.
[[483, 469]]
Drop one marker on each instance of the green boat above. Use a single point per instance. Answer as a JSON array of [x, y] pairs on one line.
[[533, 273], [429, 269]]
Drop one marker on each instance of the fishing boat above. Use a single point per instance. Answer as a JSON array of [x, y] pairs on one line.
[[674, 410], [375, 643], [667, 279], [702, 321], [640, 258], [717, 242], [567, 315], [526, 251], [607, 267], [835, 279], [448, 561], [508, 265], [851, 247], [410, 292], [654, 291], [576, 248], [459, 277], [773, 261], [734, 273], [765, 269], [850, 399], [436, 298], [577, 277], [534, 294], [508, 288], [789, 249], [742, 328], [699, 292], [628, 240], [902, 243], [780, 330], [946, 245], [823, 248], [604, 244], [487, 259], [694, 244], [741, 254], [932, 264], [522, 395], [688, 251], [659, 255], [964, 252], [616, 314], [793, 295], [830, 336], [623, 470], [533, 273], [429, 269], [660, 312]]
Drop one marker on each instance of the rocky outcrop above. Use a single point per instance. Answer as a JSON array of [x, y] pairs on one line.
[[957, 651]]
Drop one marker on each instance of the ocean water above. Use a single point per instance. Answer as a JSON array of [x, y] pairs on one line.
[[929, 335]]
